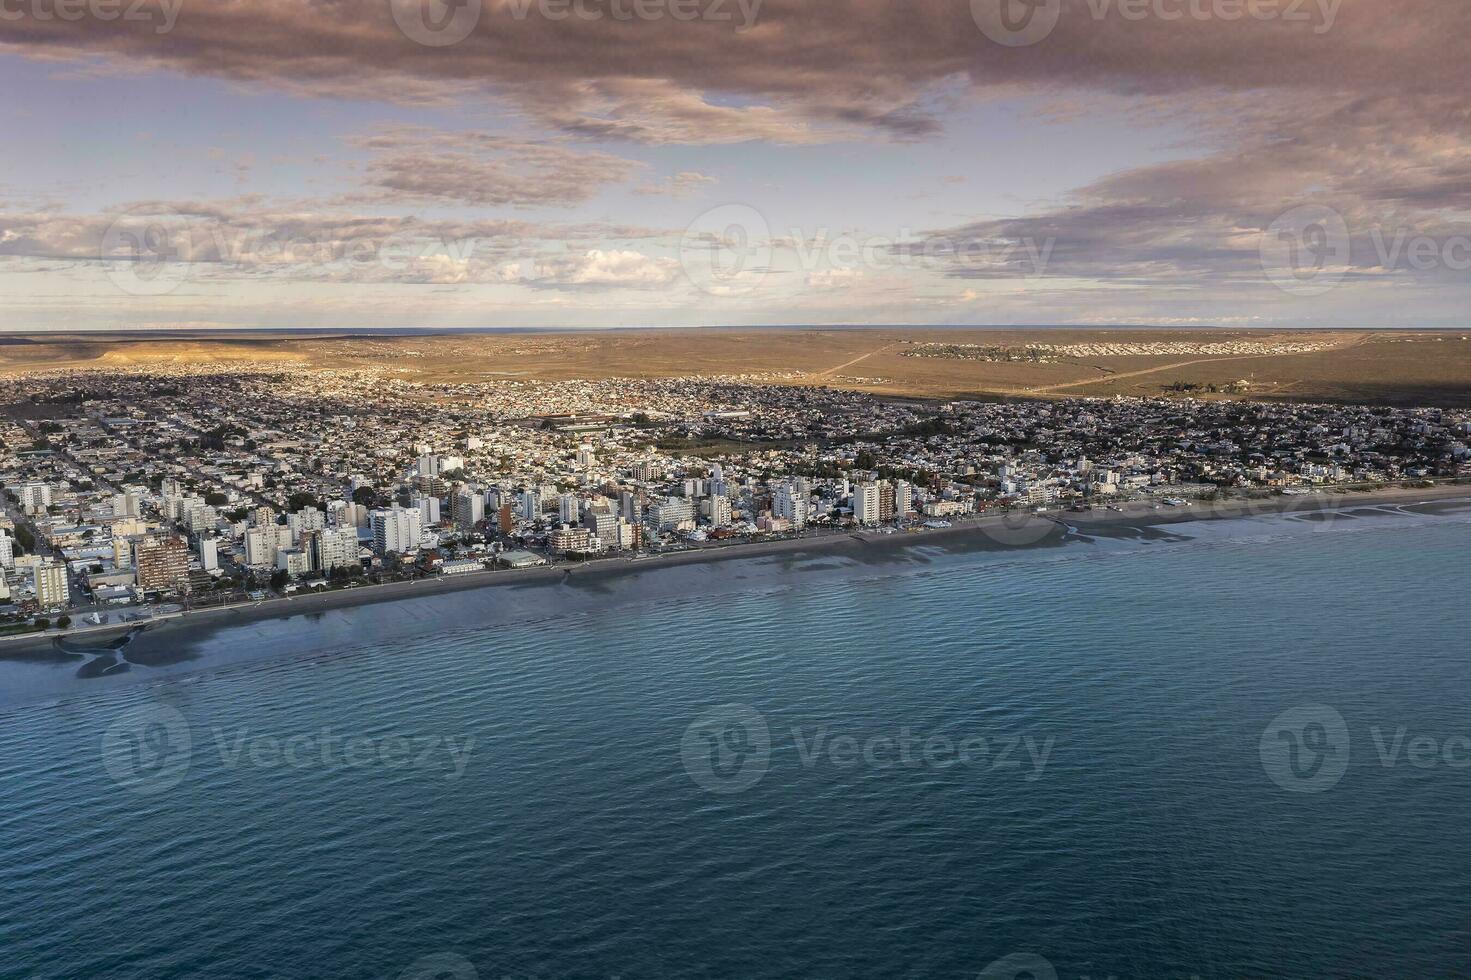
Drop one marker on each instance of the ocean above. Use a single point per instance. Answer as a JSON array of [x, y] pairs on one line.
[[1232, 749]]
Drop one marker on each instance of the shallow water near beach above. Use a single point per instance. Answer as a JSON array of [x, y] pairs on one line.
[[919, 765]]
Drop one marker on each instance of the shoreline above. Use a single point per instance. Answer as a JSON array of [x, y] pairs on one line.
[[997, 532]]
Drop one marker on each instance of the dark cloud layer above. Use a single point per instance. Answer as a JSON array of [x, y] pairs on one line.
[[801, 71]]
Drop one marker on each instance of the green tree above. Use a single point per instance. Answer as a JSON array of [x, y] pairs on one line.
[[301, 499], [64, 622]]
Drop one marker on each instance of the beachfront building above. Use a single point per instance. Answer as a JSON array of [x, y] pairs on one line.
[[295, 562], [602, 521], [866, 503], [396, 531], [789, 503], [209, 553], [520, 559], [162, 563], [52, 589], [903, 498], [673, 514], [262, 543], [334, 548], [570, 539]]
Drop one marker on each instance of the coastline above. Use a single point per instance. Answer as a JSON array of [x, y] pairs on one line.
[[1009, 532]]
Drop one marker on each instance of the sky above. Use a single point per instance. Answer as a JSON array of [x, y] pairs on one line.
[[609, 163]]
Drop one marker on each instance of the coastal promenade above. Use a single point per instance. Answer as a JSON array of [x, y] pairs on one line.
[[1016, 529]]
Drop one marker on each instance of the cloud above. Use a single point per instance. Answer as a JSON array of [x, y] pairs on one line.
[[613, 267], [1392, 167], [682, 184], [801, 72], [251, 239], [484, 170]]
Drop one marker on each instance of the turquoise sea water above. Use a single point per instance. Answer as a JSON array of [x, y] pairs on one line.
[[1239, 749]]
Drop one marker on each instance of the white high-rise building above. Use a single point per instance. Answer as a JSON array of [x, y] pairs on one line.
[[337, 548], [125, 504], [469, 508], [209, 554], [567, 508], [790, 504], [866, 503], [530, 504], [673, 514], [262, 543], [52, 590], [396, 531], [429, 509], [903, 498], [306, 519], [7, 550], [720, 515], [35, 497]]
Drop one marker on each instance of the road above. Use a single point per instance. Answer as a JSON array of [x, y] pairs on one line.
[[1049, 389]]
